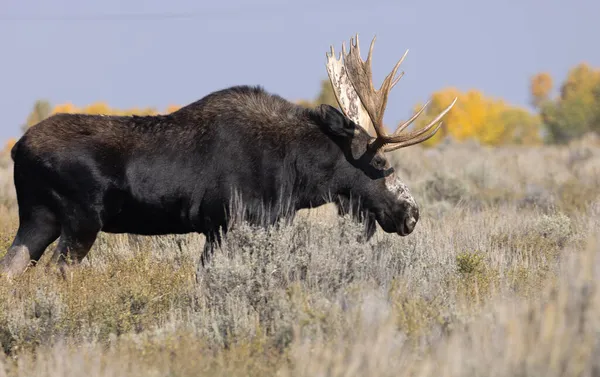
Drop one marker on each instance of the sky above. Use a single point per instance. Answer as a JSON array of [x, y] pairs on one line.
[[132, 53]]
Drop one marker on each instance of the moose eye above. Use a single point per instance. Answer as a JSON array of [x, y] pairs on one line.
[[379, 162]]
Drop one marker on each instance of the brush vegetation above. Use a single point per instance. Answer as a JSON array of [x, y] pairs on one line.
[[500, 278]]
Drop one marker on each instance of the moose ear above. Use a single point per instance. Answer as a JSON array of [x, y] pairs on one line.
[[334, 122]]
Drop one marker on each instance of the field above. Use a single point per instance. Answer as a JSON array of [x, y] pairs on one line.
[[500, 278]]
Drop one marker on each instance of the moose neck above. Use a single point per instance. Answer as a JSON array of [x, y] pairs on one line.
[[317, 162]]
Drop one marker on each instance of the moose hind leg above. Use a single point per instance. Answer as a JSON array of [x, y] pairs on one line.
[[37, 230], [79, 231], [73, 246]]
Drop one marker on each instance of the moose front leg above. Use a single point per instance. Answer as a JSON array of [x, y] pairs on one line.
[[211, 244]]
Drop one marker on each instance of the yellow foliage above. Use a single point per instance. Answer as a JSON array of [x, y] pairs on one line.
[[8, 146], [581, 78], [488, 120], [576, 109], [102, 108], [65, 108], [173, 108], [540, 86], [97, 108]]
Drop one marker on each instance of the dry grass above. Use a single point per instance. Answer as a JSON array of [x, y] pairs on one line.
[[500, 278]]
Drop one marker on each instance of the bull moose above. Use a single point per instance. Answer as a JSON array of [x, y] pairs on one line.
[[76, 175]]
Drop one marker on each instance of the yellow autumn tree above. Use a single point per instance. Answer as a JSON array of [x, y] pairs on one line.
[[540, 86], [581, 78], [102, 108], [489, 120], [40, 111], [172, 108], [8, 146], [575, 111], [68, 108]]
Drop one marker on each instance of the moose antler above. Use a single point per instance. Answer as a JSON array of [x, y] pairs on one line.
[[345, 94], [352, 82]]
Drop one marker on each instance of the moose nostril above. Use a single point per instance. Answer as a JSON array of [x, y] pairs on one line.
[[410, 223]]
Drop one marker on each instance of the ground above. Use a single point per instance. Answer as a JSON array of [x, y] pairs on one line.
[[500, 277]]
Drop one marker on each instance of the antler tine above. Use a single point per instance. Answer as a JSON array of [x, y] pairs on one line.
[[359, 75], [374, 101], [397, 79], [384, 91], [414, 141], [402, 126], [400, 141], [352, 81], [370, 54], [344, 91], [398, 65]]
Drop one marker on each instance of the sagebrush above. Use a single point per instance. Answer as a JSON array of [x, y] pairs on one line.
[[499, 278]]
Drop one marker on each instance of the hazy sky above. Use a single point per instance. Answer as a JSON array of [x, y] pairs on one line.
[[155, 53]]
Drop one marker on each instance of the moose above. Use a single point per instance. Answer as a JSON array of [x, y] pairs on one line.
[[76, 175]]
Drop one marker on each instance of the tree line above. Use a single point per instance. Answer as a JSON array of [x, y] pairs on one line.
[[571, 112]]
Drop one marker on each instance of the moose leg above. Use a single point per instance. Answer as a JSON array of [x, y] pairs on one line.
[[213, 242], [38, 228], [78, 235], [72, 247]]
